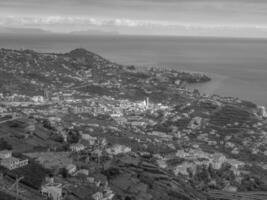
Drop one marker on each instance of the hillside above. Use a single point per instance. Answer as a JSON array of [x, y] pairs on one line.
[[28, 72], [141, 133], [28, 69]]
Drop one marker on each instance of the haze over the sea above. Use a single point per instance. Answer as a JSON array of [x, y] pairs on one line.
[[238, 66]]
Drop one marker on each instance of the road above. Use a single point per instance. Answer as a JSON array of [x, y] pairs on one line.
[[223, 195]]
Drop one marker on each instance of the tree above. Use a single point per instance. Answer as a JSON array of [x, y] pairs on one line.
[[64, 172], [4, 145], [73, 136]]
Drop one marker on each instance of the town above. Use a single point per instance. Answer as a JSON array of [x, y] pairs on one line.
[[76, 126]]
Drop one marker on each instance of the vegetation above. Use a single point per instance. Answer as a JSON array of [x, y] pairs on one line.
[[34, 174], [5, 196], [4, 145], [73, 136]]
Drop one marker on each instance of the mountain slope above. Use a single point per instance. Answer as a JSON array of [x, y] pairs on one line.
[[28, 68], [133, 178]]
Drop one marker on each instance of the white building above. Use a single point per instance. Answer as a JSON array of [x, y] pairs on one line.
[[262, 111], [10, 162], [120, 120], [77, 147], [97, 196], [52, 190], [84, 172], [118, 149], [2, 110], [114, 115], [71, 168], [184, 168], [55, 98], [235, 166], [89, 138], [195, 123], [13, 163], [38, 99], [5, 154], [218, 161]]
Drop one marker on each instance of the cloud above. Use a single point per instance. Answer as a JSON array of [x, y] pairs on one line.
[[64, 20], [117, 22], [153, 16], [66, 24], [205, 11], [72, 20]]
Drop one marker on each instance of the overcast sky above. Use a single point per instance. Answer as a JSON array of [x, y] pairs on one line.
[[161, 17]]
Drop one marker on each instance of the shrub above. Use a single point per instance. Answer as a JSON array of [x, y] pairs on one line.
[[4, 145]]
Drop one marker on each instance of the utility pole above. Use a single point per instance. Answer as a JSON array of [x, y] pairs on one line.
[[16, 185]]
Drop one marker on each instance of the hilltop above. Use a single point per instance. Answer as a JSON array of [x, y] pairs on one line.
[[29, 69]]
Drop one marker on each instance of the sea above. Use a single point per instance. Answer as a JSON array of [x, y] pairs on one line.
[[238, 67]]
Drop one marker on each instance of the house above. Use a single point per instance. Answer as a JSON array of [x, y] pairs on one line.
[[2, 110], [84, 172], [218, 160], [120, 120], [97, 196], [262, 111], [118, 149], [138, 123], [184, 168], [235, 166], [230, 188], [71, 168], [195, 123], [13, 163], [160, 134], [67, 97], [55, 98], [100, 179], [235, 163], [52, 191], [38, 99], [89, 138], [178, 82], [10, 162], [115, 115], [77, 147], [5, 154]]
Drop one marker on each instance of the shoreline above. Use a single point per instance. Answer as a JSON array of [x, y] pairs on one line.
[[218, 85], [246, 67]]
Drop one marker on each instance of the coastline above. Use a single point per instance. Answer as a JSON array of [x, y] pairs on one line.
[[245, 68], [219, 84], [211, 87]]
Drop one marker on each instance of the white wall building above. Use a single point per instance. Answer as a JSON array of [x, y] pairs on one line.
[[89, 138], [118, 149], [262, 111], [38, 99], [5, 154], [77, 147], [71, 168], [52, 190], [13, 163]]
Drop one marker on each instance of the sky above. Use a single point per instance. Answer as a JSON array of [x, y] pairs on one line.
[[237, 18]]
